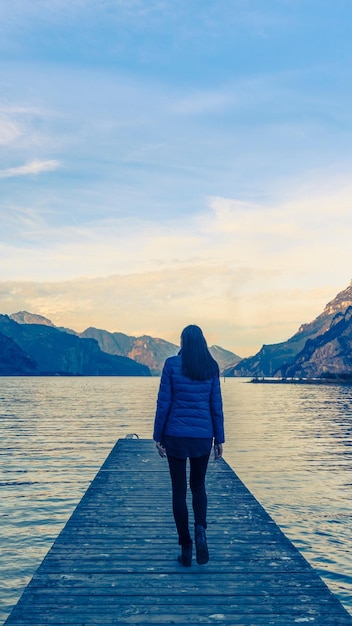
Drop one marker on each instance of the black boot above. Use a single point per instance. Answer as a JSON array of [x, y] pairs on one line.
[[185, 557], [201, 545]]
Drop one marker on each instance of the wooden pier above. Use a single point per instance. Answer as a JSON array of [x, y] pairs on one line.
[[115, 562]]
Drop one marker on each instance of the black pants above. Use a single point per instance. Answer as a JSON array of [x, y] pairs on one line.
[[179, 490]]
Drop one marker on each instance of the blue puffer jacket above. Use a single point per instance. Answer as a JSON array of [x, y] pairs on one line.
[[188, 408]]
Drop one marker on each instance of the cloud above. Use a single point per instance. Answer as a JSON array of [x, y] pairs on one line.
[[248, 272], [33, 167], [161, 303], [288, 240], [9, 130]]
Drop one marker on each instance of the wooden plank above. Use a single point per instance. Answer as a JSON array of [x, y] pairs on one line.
[[115, 560]]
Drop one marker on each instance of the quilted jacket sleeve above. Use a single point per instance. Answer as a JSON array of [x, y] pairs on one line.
[[163, 402], [217, 411]]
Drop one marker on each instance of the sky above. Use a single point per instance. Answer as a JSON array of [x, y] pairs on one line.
[[166, 162]]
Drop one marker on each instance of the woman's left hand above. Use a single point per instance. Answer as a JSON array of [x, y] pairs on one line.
[[161, 450]]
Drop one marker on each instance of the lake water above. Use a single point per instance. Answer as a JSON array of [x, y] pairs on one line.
[[291, 445]]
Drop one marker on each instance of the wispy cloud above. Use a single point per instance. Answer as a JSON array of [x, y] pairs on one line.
[[33, 167], [281, 237], [9, 130], [170, 299], [250, 273]]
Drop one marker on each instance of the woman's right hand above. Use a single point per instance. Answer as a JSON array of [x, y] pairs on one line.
[[217, 451]]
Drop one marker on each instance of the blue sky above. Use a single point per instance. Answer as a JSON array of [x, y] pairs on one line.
[[169, 162]]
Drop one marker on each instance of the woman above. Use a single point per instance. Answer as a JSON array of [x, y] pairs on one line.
[[188, 418]]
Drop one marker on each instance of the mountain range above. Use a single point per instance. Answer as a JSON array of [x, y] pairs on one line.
[[32, 344], [42, 349], [328, 355], [318, 348]]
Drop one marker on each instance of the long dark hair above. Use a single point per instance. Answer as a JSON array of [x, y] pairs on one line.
[[197, 362]]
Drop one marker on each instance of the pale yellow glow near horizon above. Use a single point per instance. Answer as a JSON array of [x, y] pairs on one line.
[[248, 274]]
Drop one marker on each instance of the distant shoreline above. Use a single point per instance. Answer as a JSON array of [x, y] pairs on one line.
[[301, 381]]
